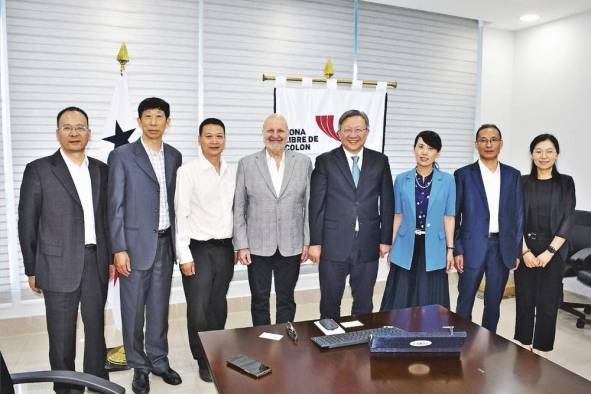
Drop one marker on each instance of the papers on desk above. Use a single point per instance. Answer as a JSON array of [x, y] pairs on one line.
[[271, 336], [351, 324], [338, 330]]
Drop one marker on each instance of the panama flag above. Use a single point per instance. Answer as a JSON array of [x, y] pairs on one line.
[[120, 129]]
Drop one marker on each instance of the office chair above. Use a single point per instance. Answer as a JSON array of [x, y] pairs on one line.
[[8, 381], [578, 265]]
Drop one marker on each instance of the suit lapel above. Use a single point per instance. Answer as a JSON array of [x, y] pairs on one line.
[[436, 184], [95, 182], [504, 185], [60, 170], [141, 158], [366, 166], [168, 165], [343, 165], [477, 178], [288, 171], [261, 163], [409, 190]]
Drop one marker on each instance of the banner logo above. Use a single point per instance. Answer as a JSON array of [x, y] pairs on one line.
[[326, 124]]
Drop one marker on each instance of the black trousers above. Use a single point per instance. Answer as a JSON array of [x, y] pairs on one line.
[[537, 298], [61, 311], [333, 276], [285, 271], [206, 291]]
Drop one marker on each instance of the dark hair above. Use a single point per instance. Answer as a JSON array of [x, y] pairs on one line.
[[543, 137], [353, 112], [431, 138], [71, 109], [153, 103], [214, 121], [489, 126]]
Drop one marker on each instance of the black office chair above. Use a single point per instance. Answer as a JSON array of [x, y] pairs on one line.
[[8, 381], [579, 264]]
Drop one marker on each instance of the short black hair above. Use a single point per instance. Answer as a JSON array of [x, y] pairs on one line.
[[544, 137], [430, 138], [351, 113], [489, 126], [214, 121], [71, 109], [153, 103]]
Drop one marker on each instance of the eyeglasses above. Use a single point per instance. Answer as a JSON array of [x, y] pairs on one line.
[[78, 129], [548, 152], [353, 131], [486, 141]]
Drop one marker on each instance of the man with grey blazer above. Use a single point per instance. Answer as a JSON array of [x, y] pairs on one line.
[[64, 241], [142, 180], [271, 220]]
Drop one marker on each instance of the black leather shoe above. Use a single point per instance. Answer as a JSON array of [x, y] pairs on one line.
[[141, 382], [205, 375], [170, 376]]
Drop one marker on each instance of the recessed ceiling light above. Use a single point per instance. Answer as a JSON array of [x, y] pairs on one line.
[[529, 17]]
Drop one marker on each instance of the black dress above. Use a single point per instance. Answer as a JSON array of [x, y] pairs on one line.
[[416, 287], [538, 290]]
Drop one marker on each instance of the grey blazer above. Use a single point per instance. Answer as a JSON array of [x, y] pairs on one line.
[[134, 201], [51, 223], [264, 221]]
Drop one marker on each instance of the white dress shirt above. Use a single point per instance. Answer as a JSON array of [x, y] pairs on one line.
[[492, 187], [157, 161], [203, 204], [81, 177], [276, 173], [349, 156]]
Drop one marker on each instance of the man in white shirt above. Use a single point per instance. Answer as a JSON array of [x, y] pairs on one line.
[[64, 242], [203, 205], [271, 220], [489, 226]]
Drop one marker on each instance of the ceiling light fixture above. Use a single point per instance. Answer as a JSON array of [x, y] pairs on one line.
[[529, 17]]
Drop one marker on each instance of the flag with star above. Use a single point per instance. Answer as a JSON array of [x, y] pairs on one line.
[[120, 126]]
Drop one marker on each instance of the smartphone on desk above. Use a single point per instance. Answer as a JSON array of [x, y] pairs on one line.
[[250, 366]]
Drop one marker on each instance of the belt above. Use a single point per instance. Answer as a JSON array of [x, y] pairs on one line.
[[164, 233], [420, 232], [538, 236], [90, 246], [213, 241], [493, 235]]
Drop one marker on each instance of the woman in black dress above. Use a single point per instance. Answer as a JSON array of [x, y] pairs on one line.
[[549, 213]]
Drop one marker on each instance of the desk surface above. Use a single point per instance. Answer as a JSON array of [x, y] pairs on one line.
[[488, 363]]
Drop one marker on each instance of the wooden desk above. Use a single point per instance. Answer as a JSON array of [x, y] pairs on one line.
[[488, 362]]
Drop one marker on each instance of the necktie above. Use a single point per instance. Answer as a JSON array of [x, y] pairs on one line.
[[355, 171]]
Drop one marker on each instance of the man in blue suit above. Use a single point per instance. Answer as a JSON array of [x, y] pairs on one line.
[[489, 226], [351, 205], [142, 181]]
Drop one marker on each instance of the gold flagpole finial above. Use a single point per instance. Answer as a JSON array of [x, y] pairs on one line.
[[122, 57], [328, 69]]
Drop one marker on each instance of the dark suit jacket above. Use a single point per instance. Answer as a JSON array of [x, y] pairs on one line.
[[335, 203], [562, 203], [134, 201], [51, 223], [473, 217]]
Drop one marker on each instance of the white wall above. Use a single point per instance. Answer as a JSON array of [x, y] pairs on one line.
[[549, 92]]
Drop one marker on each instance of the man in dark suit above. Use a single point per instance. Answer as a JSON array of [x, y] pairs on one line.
[[64, 241], [142, 180], [489, 226], [351, 214]]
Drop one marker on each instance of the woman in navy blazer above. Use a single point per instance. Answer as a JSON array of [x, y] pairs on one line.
[[424, 221]]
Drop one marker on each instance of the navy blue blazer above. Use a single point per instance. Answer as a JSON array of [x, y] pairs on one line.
[[335, 203], [472, 215]]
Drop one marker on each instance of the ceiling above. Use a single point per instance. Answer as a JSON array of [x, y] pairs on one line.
[[500, 14]]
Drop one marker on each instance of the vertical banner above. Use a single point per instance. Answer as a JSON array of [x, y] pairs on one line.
[[313, 114]]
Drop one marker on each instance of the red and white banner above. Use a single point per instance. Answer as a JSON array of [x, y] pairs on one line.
[[313, 114]]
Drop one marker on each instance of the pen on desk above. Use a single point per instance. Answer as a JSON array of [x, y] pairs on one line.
[[291, 332]]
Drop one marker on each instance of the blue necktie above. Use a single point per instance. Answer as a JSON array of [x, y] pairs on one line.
[[355, 169]]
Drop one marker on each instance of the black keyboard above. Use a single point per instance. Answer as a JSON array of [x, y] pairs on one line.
[[350, 338]]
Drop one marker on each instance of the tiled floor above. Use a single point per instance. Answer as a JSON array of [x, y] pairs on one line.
[[27, 352]]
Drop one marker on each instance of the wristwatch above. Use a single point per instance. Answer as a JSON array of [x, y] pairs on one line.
[[551, 249]]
